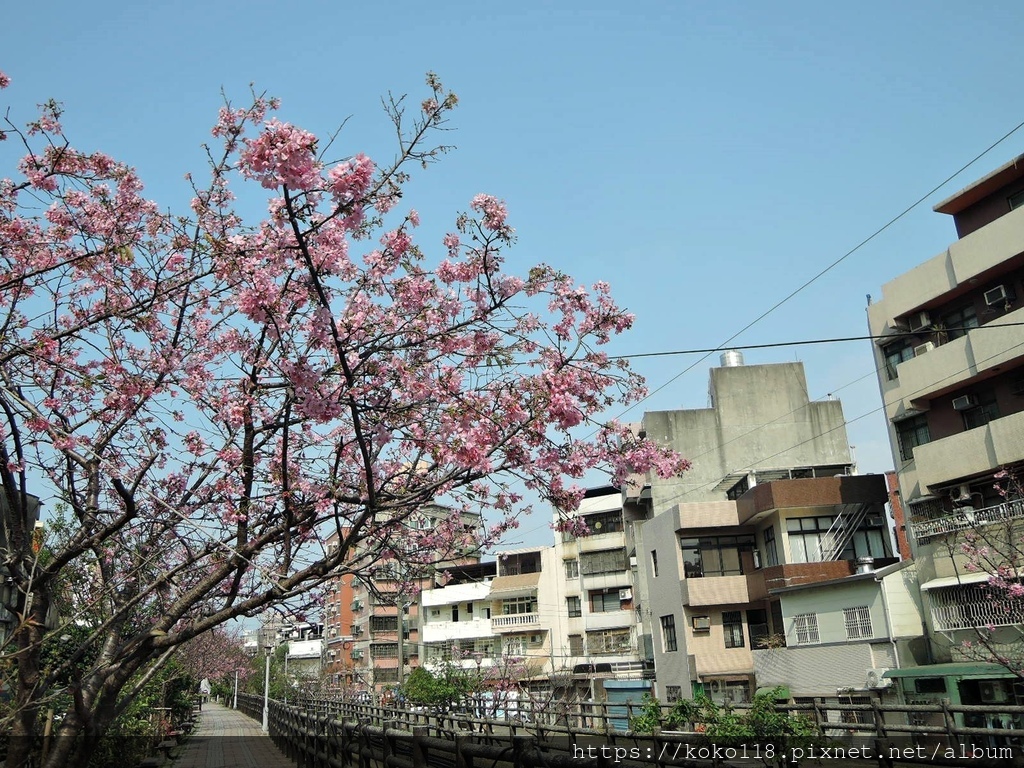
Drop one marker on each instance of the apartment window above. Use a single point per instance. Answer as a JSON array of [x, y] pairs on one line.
[[513, 646], [383, 623], [896, 353], [654, 562], [959, 321], [757, 626], [1016, 200], [575, 645], [572, 569], [604, 600], [574, 606], [771, 552], [384, 650], [605, 522], [732, 626], [911, 433], [455, 613], [607, 561], [739, 489], [858, 622], [469, 611], [673, 693], [715, 555], [514, 605], [806, 626], [611, 641], [985, 411], [668, 633]]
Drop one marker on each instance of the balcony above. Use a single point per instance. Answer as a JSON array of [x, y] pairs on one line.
[[948, 366], [966, 606], [965, 519], [516, 622], [973, 452]]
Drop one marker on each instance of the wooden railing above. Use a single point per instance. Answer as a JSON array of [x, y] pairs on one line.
[[327, 733]]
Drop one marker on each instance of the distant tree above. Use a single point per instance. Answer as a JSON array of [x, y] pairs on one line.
[[210, 397]]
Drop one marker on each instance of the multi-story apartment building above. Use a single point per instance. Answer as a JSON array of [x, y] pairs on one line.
[[598, 636], [457, 618], [386, 621], [950, 357], [337, 619], [769, 503]]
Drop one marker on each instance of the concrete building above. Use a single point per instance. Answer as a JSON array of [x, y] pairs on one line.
[[598, 636], [457, 618], [337, 618], [950, 358], [769, 503]]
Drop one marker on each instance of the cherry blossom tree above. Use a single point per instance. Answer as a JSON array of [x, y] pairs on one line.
[[201, 399]]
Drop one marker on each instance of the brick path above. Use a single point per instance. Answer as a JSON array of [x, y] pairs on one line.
[[228, 739]]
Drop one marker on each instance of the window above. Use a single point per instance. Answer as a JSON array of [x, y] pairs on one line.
[[668, 633], [911, 433], [572, 568], [513, 646], [455, 613], [384, 650], [654, 562], [383, 623], [959, 321], [611, 641], [757, 626], [604, 600], [514, 605], [732, 626], [673, 693], [574, 607], [605, 522], [715, 555], [896, 353], [985, 411], [858, 716], [575, 645], [806, 626], [858, 622], [607, 561], [739, 489], [1016, 200], [771, 552]]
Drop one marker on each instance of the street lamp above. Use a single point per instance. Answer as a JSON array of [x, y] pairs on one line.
[[266, 692]]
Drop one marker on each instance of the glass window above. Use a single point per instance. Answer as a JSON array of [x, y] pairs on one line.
[[985, 411], [668, 633], [806, 627], [757, 625], [958, 322], [604, 522], [572, 568], [896, 353], [1016, 200], [715, 555], [607, 561], [574, 606], [771, 552], [604, 600], [515, 605], [911, 433], [611, 641], [732, 626], [673, 693], [858, 622], [654, 562]]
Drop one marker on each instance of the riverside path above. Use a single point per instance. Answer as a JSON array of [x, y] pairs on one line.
[[226, 738]]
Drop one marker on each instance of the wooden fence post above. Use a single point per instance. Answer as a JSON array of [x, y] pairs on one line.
[[520, 746], [419, 751], [462, 760]]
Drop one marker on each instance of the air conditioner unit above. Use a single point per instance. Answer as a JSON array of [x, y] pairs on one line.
[[992, 692], [536, 639], [357, 653], [875, 679], [923, 349], [357, 630], [919, 321], [357, 605], [625, 594], [997, 296], [701, 623], [964, 402], [875, 521]]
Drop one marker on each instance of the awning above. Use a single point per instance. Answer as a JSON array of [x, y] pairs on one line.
[[782, 695], [975, 670], [952, 581], [520, 585]]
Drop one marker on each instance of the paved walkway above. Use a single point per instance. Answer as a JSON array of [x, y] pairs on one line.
[[228, 739]]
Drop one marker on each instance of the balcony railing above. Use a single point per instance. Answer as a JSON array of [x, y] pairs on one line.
[[966, 606], [967, 518], [515, 621]]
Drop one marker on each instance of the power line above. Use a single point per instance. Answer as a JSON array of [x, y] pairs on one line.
[[803, 342], [830, 267]]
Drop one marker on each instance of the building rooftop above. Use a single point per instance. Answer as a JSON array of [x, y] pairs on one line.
[[983, 187]]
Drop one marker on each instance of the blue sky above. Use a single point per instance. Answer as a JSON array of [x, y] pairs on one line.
[[705, 159]]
